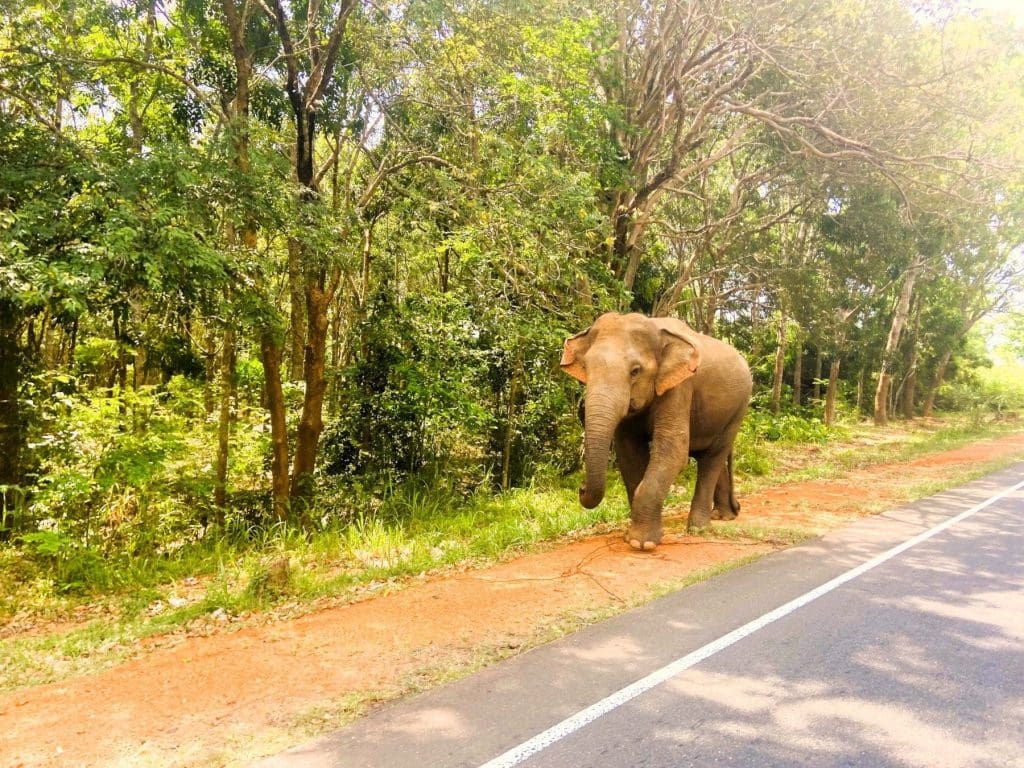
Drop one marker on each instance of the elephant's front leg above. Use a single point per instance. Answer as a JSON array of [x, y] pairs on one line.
[[632, 452], [668, 457]]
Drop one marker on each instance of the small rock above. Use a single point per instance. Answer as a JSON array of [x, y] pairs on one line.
[[177, 602]]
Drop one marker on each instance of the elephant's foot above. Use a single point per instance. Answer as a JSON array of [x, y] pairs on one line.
[[699, 518], [723, 514], [642, 538]]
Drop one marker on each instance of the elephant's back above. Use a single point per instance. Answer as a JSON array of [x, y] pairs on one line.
[[722, 366], [721, 390]]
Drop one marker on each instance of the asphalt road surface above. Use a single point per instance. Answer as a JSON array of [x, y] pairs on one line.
[[896, 641]]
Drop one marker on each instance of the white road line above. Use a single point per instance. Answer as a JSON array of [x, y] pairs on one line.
[[570, 725]]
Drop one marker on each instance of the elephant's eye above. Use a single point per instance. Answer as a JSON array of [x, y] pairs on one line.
[[635, 371]]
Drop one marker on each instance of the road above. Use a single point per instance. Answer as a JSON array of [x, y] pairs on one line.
[[896, 641]]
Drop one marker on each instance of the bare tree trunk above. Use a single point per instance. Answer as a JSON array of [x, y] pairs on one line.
[[310, 64], [798, 372], [297, 326], [780, 359], [337, 352], [510, 418], [755, 322], [909, 391], [311, 421], [227, 375], [135, 312], [270, 353], [898, 321], [816, 389], [940, 374], [121, 362], [72, 345], [210, 369], [881, 398], [831, 391], [860, 388], [13, 435]]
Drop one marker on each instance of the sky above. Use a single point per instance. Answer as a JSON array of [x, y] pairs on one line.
[[1014, 7]]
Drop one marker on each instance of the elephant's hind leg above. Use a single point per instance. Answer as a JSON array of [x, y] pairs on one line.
[[711, 465], [726, 506]]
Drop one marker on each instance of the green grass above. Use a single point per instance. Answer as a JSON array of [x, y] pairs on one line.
[[864, 445], [413, 533]]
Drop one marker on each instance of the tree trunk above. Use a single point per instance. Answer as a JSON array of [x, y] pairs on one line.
[[882, 398], [311, 422], [798, 372], [137, 319], [310, 67], [909, 393], [940, 374], [816, 388], [860, 388], [72, 344], [120, 362], [898, 321], [780, 359], [297, 329], [227, 374], [12, 426], [210, 368], [831, 391], [270, 353], [510, 414], [622, 260], [337, 355]]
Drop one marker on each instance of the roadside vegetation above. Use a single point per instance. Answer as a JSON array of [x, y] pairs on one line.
[[70, 610]]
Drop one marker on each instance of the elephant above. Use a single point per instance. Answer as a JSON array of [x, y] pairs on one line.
[[661, 392]]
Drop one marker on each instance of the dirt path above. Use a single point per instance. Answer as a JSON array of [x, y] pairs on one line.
[[228, 698]]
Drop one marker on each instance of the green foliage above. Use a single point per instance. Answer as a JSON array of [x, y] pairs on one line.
[[785, 427], [72, 564], [762, 429], [107, 495], [986, 392]]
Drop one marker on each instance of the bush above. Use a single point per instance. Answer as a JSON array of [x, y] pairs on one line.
[[761, 426], [110, 489], [785, 427], [70, 563], [436, 390], [985, 391]]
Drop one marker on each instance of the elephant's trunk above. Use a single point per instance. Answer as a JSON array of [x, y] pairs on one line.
[[603, 414]]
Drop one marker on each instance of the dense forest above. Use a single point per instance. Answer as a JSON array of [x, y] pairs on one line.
[[264, 260]]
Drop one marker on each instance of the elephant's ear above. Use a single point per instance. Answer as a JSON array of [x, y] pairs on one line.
[[680, 359], [572, 356]]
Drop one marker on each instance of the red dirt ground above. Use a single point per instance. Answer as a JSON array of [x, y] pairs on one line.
[[233, 696]]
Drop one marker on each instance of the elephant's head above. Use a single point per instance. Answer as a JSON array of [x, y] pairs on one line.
[[626, 361]]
